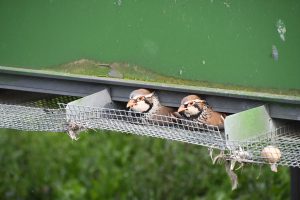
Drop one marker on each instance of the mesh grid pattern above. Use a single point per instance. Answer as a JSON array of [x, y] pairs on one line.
[[51, 102], [155, 126], [33, 99], [31, 119], [286, 139]]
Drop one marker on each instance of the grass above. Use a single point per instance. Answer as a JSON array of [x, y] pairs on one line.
[[107, 165]]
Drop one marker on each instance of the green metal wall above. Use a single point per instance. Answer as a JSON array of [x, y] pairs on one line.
[[227, 41]]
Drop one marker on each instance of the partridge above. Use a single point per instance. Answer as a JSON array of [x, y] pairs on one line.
[[197, 109], [145, 101]]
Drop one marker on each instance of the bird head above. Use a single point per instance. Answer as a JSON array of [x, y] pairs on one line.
[[191, 106], [140, 100]]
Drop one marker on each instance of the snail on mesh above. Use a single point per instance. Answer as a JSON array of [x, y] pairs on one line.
[[272, 155]]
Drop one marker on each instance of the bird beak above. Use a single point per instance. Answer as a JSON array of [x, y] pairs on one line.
[[131, 103], [181, 108]]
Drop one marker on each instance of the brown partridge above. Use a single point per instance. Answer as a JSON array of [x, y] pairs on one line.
[[145, 101], [197, 109]]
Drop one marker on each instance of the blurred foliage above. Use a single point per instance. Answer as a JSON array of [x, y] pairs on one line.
[[117, 166]]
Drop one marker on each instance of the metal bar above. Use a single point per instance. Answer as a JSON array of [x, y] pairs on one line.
[[295, 183], [230, 101]]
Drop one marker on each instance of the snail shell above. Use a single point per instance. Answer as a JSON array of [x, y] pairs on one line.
[[271, 154]]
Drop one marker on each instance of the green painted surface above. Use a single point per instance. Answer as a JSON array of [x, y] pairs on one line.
[[226, 42]]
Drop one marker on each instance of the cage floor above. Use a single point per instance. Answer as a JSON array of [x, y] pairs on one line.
[[142, 124], [286, 139]]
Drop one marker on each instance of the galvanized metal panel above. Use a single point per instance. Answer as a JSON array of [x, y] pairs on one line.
[[248, 124]]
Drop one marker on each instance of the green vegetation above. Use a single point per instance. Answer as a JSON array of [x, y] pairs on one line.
[[107, 165]]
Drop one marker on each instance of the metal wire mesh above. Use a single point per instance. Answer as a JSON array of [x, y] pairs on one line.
[[280, 146], [32, 119], [33, 99], [32, 111], [51, 102], [143, 124], [285, 141]]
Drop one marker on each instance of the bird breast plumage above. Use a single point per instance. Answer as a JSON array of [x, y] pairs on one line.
[[211, 117]]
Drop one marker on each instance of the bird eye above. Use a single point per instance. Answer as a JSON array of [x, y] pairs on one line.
[[191, 103], [140, 99]]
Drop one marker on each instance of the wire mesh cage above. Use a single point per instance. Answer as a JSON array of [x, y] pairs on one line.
[[280, 146], [143, 124], [33, 111], [33, 99], [31, 118]]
